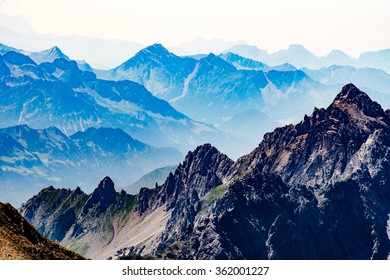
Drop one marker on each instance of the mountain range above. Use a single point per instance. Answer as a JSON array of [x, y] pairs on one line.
[[204, 87], [15, 31], [299, 56], [213, 90], [32, 159], [314, 190], [374, 81], [60, 94]]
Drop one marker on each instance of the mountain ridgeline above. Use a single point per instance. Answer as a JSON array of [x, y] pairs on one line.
[[314, 190]]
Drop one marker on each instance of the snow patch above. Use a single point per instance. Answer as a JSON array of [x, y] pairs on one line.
[[187, 82], [200, 127], [271, 94], [123, 106]]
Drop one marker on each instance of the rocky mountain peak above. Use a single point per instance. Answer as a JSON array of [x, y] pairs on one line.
[[102, 197], [205, 158], [357, 103], [48, 55], [202, 170], [320, 149], [216, 61], [349, 92], [155, 55], [106, 184], [55, 50]]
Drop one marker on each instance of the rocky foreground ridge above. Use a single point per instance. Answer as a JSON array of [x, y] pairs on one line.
[[315, 190], [20, 241]]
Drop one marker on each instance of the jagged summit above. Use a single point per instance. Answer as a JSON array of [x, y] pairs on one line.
[[106, 183], [351, 98], [156, 47], [203, 159], [201, 171], [216, 62], [155, 55], [55, 50], [103, 196], [349, 92], [326, 146]]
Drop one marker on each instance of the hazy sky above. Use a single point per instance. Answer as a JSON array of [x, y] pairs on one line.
[[352, 26]]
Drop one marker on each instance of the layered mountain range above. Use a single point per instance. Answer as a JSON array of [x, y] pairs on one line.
[[60, 94], [32, 159], [314, 190], [299, 56], [215, 90], [375, 81]]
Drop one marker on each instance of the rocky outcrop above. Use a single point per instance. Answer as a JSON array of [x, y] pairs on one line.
[[102, 197], [202, 170]]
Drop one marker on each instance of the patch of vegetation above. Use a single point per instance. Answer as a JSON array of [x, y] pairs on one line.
[[107, 231], [80, 202], [125, 208], [214, 194]]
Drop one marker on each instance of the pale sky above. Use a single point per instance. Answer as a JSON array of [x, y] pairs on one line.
[[351, 26]]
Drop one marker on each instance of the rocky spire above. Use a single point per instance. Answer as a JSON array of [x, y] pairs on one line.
[[103, 196]]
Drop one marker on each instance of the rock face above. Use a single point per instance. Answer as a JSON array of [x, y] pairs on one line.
[[103, 196], [20, 241], [314, 190], [201, 172]]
